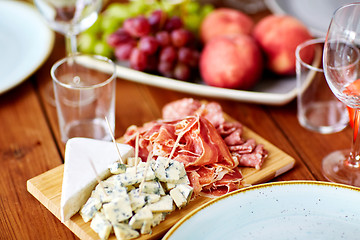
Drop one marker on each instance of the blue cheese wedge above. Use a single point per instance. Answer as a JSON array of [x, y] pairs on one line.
[[91, 207], [79, 177], [124, 231], [165, 204], [101, 225], [118, 210]]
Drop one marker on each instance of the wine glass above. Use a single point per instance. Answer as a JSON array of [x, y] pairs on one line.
[[68, 17], [341, 66]]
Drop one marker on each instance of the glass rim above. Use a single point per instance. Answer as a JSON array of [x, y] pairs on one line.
[[306, 44], [97, 57]]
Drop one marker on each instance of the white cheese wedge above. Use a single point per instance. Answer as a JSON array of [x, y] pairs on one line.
[[79, 177]]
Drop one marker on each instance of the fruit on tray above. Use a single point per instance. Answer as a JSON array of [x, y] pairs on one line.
[[225, 21], [231, 62], [279, 36], [157, 43]]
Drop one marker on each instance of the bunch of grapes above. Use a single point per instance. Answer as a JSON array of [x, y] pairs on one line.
[[158, 44]]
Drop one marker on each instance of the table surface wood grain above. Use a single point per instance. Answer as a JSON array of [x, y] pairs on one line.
[[30, 141]]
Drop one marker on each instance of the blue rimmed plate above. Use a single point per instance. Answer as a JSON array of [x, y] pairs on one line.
[[280, 210]]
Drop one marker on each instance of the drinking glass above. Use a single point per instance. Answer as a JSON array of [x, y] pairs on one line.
[[341, 67], [68, 17]]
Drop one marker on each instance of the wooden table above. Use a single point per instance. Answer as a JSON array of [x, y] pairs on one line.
[[30, 142]]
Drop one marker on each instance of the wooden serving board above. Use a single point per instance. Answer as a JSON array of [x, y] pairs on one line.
[[47, 189]]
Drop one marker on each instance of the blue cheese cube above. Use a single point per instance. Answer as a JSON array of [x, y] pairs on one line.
[[168, 170], [158, 218], [137, 200], [107, 190], [118, 210], [151, 198], [91, 206], [152, 187], [131, 161], [181, 194], [101, 225], [165, 204], [142, 216], [117, 168], [124, 231], [146, 227]]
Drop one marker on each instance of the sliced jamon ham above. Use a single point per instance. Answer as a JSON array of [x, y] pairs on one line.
[[210, 147]]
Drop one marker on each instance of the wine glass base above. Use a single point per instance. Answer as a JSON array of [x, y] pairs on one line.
[[335, 169]]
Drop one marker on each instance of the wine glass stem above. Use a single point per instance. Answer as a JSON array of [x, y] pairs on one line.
[[354, 158], [70, 43]]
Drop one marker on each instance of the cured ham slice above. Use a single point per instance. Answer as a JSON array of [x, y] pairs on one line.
[[246, 151], [204, 153], [196, 134]]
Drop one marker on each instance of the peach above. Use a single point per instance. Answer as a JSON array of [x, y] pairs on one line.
[[231, 62], [278, 36], [225, 21]]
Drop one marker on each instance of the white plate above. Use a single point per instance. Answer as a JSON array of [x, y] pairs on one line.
[[269, 91], [281, 210], [315, 14], [25, 42]]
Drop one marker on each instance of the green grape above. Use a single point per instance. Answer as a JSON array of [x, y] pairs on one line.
[[103, 49], [110, 24], [192, 22], [86, 42], [192, 7], [96, 27], [118, 10], [206, 9], [138, 7]]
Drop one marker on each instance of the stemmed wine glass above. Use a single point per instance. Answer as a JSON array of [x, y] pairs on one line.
[[341, 66], [68, 17]]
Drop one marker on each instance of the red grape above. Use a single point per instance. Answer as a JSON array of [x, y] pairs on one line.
[[137, 26], [173, 23], [138, 60], [182, 72], [118, 37], [163, 38], [180, 37], [166, 69], [168, 54], [157, 19], [188, 56], [148, 44], [123, 51]]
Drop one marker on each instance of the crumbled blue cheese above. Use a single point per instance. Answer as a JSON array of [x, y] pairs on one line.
[[101, 225], [124, 231], [118, 210], [91, 206]]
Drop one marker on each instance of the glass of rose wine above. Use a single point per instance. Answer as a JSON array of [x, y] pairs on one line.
[[68, 17], [341, 66]]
